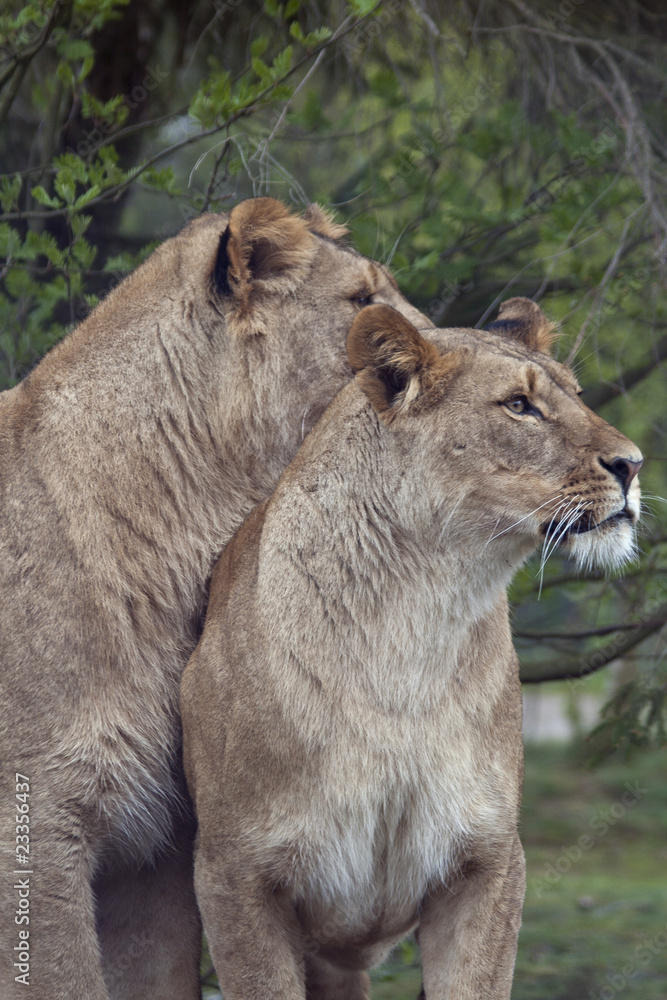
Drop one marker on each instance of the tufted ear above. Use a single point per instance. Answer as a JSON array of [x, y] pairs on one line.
[[263, 246], [524, 320], [321, 221], [395, 366]]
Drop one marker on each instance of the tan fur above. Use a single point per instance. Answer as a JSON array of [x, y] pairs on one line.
[[128, 458], [352, 712]]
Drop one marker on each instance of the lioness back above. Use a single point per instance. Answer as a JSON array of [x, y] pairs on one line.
[[128, 457]]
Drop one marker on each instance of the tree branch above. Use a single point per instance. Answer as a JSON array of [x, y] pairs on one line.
[[601, 394], [584, 634], [594, 660]]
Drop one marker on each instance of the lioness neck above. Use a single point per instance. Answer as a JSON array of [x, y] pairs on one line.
[[392, 584], [161, 465]]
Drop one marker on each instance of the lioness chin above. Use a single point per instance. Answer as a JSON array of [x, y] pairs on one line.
[[128, 458], [352, 712]]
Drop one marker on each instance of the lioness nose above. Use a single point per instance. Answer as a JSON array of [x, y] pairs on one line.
[[624, 469]]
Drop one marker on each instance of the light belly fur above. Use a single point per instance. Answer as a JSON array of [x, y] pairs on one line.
[[359, 858]]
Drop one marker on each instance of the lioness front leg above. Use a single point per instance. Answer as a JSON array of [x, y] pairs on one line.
[[253, 932], [468, 932], [149, 927], [47, 922], [325, 981]]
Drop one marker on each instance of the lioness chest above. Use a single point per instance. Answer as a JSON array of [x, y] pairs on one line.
[[391, 813]]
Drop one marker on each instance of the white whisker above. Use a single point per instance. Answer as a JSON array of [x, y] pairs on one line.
[[562, 509], [543, 557], [550, 544], [448, 519], [524, 518]]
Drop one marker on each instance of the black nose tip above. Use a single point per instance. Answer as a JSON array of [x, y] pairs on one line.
[[624, 469]]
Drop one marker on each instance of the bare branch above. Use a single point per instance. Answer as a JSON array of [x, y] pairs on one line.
[[584, 634], [594, 660], [601, 394]]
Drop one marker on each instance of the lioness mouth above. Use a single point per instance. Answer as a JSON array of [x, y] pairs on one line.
[[587, 522]]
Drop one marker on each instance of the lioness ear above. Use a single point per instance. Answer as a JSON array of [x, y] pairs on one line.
[[395, 365], [524, 320], [263, 242], [320, 220]]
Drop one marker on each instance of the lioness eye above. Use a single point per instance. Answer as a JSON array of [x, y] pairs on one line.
[[522, 405], [517, 405], [363, 300]]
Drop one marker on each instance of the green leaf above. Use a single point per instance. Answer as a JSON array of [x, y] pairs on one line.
[[315, 38], [66, 189], [42, 245], [10, 241], [296, 31], [41, 195], [74, 49], [362, 7], [160, 180], [114, 111], [30, 14], [260, 68], [282, 63], [259, 46], [79, 223], [86, 197], [72, 167], [213, 100], [83, 253], [10, 189]]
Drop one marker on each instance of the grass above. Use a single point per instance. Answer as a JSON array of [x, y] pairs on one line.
[[595, 918]]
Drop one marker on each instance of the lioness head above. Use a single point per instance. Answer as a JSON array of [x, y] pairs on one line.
[[512, 447], [273, 295]]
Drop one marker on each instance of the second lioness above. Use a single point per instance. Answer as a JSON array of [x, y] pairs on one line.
[[352, 714]]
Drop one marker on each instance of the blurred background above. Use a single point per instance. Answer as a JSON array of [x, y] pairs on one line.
[[482, 150]]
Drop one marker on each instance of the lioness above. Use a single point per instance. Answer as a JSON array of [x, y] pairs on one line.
[[128, 457], [352, 713]]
